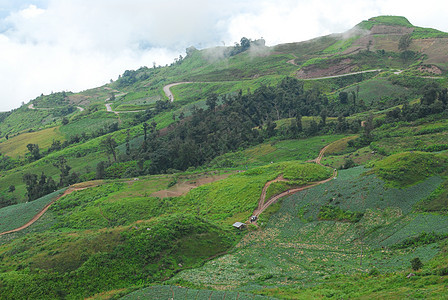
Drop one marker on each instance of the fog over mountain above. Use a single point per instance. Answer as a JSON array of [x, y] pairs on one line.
[[50, 45]]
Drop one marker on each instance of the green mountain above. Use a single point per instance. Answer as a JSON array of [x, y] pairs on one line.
[[337, 146]]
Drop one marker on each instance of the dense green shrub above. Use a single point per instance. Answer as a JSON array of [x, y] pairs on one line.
[[334, 213]]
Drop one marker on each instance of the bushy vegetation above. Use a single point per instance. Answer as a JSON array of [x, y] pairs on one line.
[[409, 168], [334, 213], [140, 254]]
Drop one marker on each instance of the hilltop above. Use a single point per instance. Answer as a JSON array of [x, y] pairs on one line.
[[338, 146]]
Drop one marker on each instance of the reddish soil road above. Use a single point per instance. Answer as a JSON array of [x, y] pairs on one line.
[[263, 204], [39, 214]]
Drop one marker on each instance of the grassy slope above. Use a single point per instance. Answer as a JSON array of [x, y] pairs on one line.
[[16, 146], [83, 224], [308, 250]]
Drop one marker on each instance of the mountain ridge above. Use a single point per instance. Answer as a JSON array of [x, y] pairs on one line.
[[236, 121]]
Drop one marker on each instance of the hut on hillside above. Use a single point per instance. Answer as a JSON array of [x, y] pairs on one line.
[[239, 225]]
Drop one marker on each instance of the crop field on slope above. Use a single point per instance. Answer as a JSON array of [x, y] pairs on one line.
[[200, 90], [14, 216], [244, 66], [88, 124], [276, 151], [163, 292], [16, 146], [307, 250], [24, 119], [234, 198], [378, 89]]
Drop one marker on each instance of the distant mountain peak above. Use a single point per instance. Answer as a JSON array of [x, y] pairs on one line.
[[385, 20]]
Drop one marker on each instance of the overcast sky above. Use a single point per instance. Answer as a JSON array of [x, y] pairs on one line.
[[72, 45]]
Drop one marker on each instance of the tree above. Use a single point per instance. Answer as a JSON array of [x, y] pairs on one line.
[[34, 151], [211, 101], [128, 146], [430, 92], [323, 116], [343, 97], [32, 190], [12, 188], [55, 146], [100, 170], [299, 122], [64, 121], [313, 129], [7, 200], [245, 44], [416, 264], [270, 129], [61, 164], [109, 144], [404, 42]]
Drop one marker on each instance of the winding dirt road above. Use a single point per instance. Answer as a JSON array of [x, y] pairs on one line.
[[168, 92], [342, 75], [40, 214], [263, 204]]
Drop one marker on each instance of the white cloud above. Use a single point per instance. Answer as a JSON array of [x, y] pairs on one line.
[[53, 45]]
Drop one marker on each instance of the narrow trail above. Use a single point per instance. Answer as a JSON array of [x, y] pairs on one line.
[[168, 92], [40, 214], [342, 75], [263, 204]]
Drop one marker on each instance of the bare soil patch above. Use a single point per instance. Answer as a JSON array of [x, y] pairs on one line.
[[185, 184]]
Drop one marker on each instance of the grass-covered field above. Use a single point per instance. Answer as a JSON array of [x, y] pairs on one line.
[[379, 89], [16, 146], [88, 124], [276, 151], [159, 292], [308, 251]]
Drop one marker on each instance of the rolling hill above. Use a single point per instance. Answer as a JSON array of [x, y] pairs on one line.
[[338, 145]]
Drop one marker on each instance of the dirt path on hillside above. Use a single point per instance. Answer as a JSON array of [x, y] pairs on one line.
[[40, 214], [168, 92], [342, 75], [292, 61], [263, 204]]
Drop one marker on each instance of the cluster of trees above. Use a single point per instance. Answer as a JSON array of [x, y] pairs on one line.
[[434, 100], [130, 77], [35, 153], [6, 198], [244, 45], [7, 163], [241, 121], [54, 99], [37, 187]]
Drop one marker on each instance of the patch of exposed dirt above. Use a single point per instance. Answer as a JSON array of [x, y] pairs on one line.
[[343, 67], [78, 99], [430, 69], [387, 29], [186, 184]]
